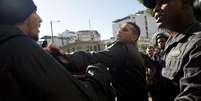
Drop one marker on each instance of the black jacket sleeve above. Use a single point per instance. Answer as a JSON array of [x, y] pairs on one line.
[[114, 55]]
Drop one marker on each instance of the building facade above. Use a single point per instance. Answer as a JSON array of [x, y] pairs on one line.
[[86, 40], [88, 35], [86, 46]]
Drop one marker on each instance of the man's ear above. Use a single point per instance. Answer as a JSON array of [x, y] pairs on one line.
[[135, 38], [23, 27]]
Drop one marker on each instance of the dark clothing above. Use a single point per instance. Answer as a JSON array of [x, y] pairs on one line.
[[126, 67], [182, 60], [27, 73], [160, 62], [162, 90]]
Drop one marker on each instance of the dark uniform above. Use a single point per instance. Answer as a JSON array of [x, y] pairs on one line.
[[183, 62], [27, 73], [126, 67]]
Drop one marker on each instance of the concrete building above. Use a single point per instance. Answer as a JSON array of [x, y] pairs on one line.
[[87, 40], [88, 35], [86, 46], [69, 36]]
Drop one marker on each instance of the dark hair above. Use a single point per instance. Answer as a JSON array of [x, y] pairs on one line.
[[150, 46], [136, 28]]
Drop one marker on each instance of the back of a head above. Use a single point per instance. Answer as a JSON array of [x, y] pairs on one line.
[[14, 11]]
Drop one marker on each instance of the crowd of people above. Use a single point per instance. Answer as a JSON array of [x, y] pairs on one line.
[[168, 71]]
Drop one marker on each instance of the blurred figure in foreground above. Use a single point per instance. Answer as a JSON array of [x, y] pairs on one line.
[[183, 48], [27, 72]]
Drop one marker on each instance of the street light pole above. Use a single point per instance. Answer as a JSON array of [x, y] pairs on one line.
[[51, 26], [52, 37]]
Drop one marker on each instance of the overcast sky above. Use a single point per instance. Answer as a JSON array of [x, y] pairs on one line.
[[74, 15]]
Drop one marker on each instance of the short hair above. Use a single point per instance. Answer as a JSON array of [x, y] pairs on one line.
[[150, 46], [136, 28]]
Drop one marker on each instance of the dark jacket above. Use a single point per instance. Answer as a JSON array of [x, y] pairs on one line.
[[162, 90], [126, 67], [183, 65], [27, 73]]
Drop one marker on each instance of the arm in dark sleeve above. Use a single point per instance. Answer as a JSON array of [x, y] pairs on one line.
[[39, 75], [190, 84], [108, 57]]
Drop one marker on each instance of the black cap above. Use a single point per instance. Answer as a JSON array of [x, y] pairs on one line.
[[161, 35], [149, 3], [13, 11]]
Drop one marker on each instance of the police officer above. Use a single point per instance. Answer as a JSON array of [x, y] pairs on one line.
[[161, 39], [183, 48]]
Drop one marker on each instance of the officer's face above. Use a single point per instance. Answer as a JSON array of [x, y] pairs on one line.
[[161, 43], [168, 13], [33, 24], [126, 33]]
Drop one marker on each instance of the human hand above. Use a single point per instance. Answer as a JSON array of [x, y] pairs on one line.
[[53, 48]]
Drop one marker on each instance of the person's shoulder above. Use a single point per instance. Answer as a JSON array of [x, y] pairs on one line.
[[24, 45], [118, 47], [24, 41], [196, 37], [116, 43], [196, 30]]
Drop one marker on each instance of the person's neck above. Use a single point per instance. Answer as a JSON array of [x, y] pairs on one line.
[[184, 23], [173, 34], [182, 26]]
